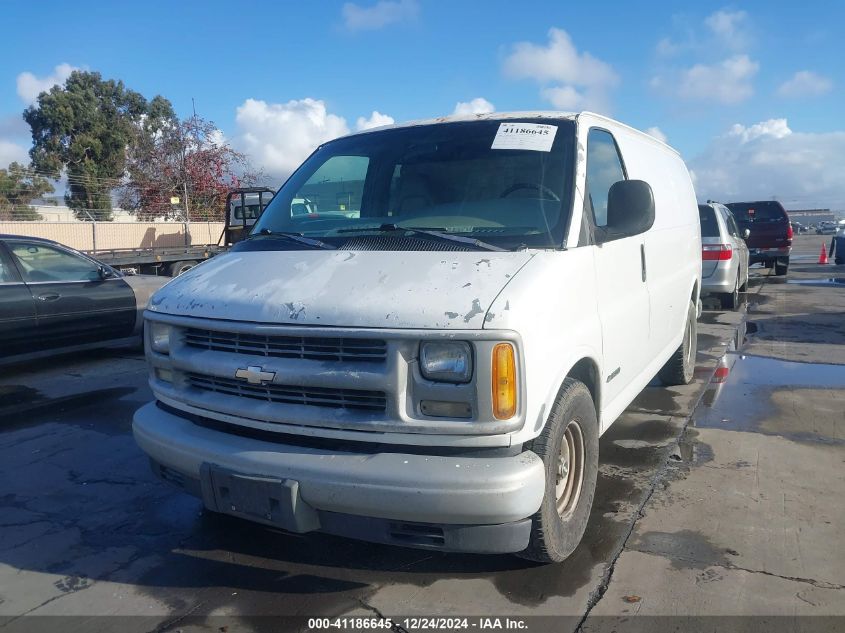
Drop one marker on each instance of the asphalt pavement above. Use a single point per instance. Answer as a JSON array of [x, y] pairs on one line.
[[721, 498]]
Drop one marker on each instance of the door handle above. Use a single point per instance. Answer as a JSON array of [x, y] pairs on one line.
[[642, 260], [49, 297]]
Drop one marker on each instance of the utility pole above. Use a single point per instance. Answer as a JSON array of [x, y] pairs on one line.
[[185, 168]]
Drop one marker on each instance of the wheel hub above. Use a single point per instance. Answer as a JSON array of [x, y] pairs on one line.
[[570, 469], [562, 469]]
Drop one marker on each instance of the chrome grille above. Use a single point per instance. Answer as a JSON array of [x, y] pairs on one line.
[[307, 347], [353, 399]]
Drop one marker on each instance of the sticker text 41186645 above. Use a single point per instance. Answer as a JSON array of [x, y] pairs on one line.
[[537, 137]]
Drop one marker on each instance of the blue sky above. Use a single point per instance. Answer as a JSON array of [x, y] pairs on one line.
[[716, 79]]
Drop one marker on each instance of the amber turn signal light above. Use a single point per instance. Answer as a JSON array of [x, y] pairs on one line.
[[504, 381]]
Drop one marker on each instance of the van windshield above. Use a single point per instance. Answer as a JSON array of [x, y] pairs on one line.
[[464, 179]]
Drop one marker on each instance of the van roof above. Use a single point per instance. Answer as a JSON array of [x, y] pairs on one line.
[[504, 116]]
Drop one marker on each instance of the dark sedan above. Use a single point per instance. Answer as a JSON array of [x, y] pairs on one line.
[[54, 298]]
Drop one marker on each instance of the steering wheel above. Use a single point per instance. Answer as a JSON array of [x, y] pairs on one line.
[[530, 185]]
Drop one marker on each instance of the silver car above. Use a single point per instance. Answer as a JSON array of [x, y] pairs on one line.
[[724, 255]]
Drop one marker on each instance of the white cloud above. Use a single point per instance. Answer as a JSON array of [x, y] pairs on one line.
[[479, 105], [727, 25], [30, 86], [721, 31], [726, 82], [564, 97], [216, 137], [558, 61], [279, 136], [769, 159], [12, 152], [379, 15], [712, 64], [657, 133], [776, 128], [805, 83], [377, 119], [667, 47], [571, 80]]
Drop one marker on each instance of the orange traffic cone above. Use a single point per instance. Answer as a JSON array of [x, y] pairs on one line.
[[823, 256]]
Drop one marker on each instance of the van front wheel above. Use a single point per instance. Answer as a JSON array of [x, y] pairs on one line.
[[569, 448], [679, 369]]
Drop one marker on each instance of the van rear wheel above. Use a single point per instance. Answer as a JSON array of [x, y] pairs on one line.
[[679, 369], [569, 448]]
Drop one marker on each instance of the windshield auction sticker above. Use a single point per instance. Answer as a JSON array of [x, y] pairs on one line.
[[537, 137]]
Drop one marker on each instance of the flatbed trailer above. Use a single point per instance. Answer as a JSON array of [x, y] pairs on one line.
[[164, 248], [170, 261]]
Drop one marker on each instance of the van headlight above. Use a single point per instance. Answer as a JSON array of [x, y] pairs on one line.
[[446, 361], [159, 337]]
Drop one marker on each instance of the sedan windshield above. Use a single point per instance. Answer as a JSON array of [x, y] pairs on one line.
[[497, 184]]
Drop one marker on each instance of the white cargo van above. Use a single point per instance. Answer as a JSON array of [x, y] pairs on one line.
[[431, 362]]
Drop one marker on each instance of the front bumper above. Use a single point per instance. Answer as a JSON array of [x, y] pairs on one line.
[[479, 504]]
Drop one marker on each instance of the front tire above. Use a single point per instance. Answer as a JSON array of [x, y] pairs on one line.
[[569, 448], [679, 369]]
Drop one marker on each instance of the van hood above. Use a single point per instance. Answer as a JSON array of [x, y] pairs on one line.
[[373, 289]]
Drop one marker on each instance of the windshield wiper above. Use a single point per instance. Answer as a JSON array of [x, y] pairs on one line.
[[293, 237], [429, 232]]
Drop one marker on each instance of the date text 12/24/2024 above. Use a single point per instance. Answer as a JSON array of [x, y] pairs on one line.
[[416, 623]]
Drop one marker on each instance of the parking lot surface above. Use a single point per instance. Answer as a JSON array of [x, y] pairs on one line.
[[724, 497]]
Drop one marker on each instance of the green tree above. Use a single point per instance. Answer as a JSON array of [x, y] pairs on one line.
[[19, 186], [84, 127]]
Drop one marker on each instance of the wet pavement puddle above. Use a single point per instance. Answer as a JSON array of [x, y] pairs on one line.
[[800, 401], [838, 282]]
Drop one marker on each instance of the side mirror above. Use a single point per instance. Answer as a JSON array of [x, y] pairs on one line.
[[105, 273], [630, 209], [746, 234]]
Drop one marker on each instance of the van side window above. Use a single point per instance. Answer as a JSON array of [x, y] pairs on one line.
[[604, 168]]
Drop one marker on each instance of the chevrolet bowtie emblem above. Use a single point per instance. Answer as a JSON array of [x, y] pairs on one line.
[[255, 375]]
